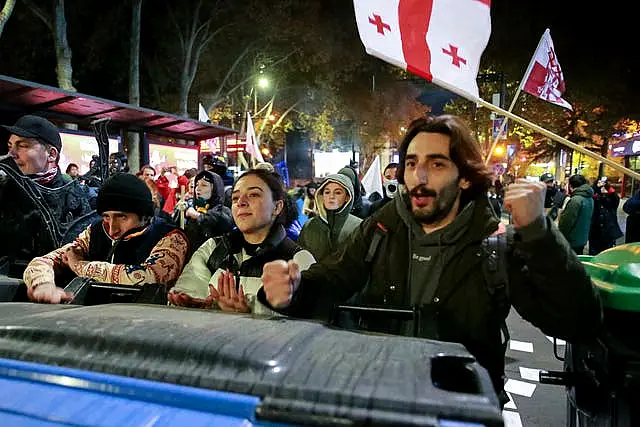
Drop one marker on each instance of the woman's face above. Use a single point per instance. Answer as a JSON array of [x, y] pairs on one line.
[[204, 189], [253, 208], [334, 196]]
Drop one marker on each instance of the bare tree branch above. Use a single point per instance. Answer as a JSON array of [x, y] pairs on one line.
[[229, 72], [47, 19], [5, 13], [172, 16], [196, 19], [244, 81]]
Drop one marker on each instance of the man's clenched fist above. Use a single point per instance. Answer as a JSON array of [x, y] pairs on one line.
[[525, 201], [280, 279], [48, 294]]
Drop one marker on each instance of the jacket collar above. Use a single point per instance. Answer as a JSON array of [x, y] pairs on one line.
[[275, 237]]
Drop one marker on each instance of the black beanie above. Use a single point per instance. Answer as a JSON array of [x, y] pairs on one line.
[[125, 193]]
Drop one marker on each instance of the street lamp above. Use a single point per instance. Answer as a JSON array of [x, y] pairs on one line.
[[499, 151], [263, 83]]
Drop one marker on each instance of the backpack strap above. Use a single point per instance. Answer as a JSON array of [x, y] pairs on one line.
[[379, 233], [497, 278]]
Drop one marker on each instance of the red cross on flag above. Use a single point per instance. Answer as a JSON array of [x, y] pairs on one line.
[[544, 77], [440, 40]]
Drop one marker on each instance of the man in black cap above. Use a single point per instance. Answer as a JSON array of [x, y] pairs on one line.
[[128, 246], [35, 146], [549, 207], [37, 206]]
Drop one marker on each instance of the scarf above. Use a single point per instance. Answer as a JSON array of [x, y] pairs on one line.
[[44, 178]]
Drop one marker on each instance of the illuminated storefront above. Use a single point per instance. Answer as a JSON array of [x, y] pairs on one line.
[[627, 152], [79, 148], [166, 155]]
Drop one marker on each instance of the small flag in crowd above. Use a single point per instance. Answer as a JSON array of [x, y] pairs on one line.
[[252, 142], [544, 78], [202, 114]]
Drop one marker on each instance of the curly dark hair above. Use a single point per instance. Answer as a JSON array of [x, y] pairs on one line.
[[463, 150], [275, 184]]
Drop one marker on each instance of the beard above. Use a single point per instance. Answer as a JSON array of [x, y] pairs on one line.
[[443, 202]]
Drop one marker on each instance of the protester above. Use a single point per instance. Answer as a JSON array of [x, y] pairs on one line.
[[128, 246], [224, 272], [325, 233], [361, 205], [72, 172], [575, 219], [35, 200], [427, 251], [632, 208], [207, 217], [605, 229]]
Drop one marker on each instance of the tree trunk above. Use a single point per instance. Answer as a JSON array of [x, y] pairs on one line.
[[64, 69], [5, 13], [134, 64], [133, 138]]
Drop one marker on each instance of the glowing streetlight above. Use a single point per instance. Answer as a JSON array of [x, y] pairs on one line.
[[263, 82], [265, 151], [499, 151]]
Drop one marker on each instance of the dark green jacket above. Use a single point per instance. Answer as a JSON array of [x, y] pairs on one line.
[[575, 220], [324, 233], [547, 285]]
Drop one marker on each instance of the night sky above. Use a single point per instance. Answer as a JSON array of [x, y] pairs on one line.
[[596, 44]]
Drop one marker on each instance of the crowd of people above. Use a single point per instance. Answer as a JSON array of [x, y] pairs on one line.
[[247, 245]]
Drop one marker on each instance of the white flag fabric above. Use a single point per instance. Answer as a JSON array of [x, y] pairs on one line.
[[440, 40], [202, 114], [544, 78], [252, 142], [372, 180]]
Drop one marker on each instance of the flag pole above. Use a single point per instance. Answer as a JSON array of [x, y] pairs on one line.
[[515, 97], [537, 128]]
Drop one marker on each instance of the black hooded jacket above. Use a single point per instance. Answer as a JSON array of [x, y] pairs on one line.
[[361, 205], [217, 219]]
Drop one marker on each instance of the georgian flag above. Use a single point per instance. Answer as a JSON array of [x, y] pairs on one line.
[[544, 77], [440, 40]]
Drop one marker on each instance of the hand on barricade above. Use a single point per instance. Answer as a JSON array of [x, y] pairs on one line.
[[182, 299], [48, 293]]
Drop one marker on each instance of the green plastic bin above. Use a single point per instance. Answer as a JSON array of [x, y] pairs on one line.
[[616, 274]]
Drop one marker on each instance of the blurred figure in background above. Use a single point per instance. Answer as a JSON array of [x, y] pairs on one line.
[[605, 229], [575, 218], [632, 208]]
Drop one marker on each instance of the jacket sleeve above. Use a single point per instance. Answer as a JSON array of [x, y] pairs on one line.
[[632, 206], [164, 264], [569, 216], [302, 238], [42, 270], [195, 278], [549, 286], [332, 281]]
